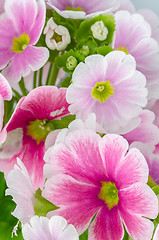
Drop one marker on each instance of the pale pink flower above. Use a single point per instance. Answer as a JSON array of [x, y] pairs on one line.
[[156, 235], [5, 94], [126, 5], [2, 6], [55, 228], [111, 88], [20, 28], [98, 175], [133, 36], [21, 189], [80, 9], [28, 128]]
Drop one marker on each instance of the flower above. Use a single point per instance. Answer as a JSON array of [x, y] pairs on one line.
[[54, 228], [21, 189], [28, 128], [5, 94], [111, 88], [133, 36], [156, 235], [94, 175], [57, 36], [20, 29], [80, 9]]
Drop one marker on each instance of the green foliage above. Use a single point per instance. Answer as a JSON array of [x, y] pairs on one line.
[[84, 32], [104, 50], [66, 82], [84, 236]]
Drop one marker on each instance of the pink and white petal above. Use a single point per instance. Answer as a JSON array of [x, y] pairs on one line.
[[22, 13], [33, 58], [112, 149], [82, 145], [2, 6], [21, 189], [133, 168], [39, 22], [127, 5], [106, 225], [60, 230], [139, 199], [37, 103], [1, 113], [51, 138], [139, 228], [78, 197], [5, 89], [156, 235]]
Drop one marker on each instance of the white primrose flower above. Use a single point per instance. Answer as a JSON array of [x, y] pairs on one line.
[[99, 30], [57, 36]]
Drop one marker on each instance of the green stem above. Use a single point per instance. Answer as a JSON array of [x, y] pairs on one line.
[[40, 76], [54, 75], [34, 79], [22, 87], [49, 73], [17, 95]]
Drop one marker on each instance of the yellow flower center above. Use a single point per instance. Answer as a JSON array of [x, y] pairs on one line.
[[39, 129], [124, 49], [102, 91], [74, 9], [20, 43], [109, 193]]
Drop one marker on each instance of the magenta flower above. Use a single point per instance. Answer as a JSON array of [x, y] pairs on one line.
[[20, 29], [55, 228], [98, 175], [28, 129], [111, 88], [80, 9], [133, 36]]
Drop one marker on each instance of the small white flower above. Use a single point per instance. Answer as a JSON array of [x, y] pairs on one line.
[[99, 30], [57, 36]]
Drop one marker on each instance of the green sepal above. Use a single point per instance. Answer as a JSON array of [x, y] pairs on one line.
[[62, 60], [84, 235], [42, 206], [63, 123], [90, 43], [84, 32], [104, 50], [66, 82]]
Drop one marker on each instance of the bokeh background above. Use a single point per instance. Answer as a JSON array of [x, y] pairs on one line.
[[151, 4]]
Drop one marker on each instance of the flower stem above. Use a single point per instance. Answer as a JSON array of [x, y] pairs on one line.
[[40, 76], [54, 74], [34, 79], [49, 74], [22, 87]]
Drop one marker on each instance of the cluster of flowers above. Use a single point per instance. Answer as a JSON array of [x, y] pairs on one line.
[[79, 119]]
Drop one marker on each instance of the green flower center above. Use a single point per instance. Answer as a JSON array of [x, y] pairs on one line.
[[124, 49], [56, 37], [20, 43], [74, 9], [39, 129], [109, 193], [102, 91]]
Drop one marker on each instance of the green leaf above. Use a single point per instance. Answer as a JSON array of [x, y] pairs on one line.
[[66, 82], [3, 185], [104, 50], [63, 123], [42, 206], [156, 189], [84, 32]]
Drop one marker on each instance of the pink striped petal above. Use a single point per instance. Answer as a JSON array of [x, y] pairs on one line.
[[106, 225], [5, 89]]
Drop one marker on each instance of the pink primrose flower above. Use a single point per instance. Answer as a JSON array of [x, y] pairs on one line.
[[5, 94], [111, 88], [28, 128], [20, 29], [94, 175], [80, 9], [133, 36], [126, 5], [55, 228], [21, 189]]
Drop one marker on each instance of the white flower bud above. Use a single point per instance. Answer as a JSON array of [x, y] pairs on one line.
[[99, 31]]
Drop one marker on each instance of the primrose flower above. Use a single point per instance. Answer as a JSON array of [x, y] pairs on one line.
[[55, 228], [31, 122], [20, 29], [80, 9], [57, 36], [111, 182], [21, 189], [133, 36], [111, 88], [5, 94]]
